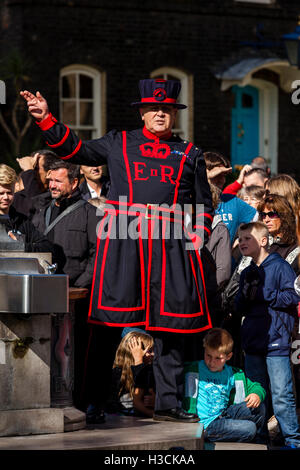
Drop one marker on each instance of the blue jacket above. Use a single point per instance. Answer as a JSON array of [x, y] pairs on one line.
[[269, 302]]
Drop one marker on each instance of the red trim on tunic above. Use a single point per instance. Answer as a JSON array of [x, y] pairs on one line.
[[150, 233], [163, 271], [134, 208], [46, 123], [137, 213], [98, 322], [127, 166], [196, 281], [177, 182], [99, 231], [205, 215], [163, 285], [104, 261], [180, 172], [142, 266], [204, 286], [66, 157], [62, 140]]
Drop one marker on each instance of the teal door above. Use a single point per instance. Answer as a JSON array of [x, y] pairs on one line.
[[244, 125]]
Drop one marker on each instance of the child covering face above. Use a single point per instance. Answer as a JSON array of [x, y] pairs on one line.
[[132, 376]]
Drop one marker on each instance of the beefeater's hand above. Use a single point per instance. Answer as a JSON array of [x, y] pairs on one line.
[[36, 104]]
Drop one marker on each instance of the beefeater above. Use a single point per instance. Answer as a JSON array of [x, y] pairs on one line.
[[148, 270]]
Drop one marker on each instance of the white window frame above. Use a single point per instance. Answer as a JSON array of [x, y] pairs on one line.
[[185, 97], [97, 127]]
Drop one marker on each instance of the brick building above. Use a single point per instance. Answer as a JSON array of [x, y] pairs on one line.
[[88, 55]]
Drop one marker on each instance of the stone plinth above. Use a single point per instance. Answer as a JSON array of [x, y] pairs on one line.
[[25, 358], [32, 421], [62, 363]]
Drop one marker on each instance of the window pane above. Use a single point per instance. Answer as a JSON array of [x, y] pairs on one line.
[[84, 134], [68, 86], [69, 112], [86, 86], [86, 113]]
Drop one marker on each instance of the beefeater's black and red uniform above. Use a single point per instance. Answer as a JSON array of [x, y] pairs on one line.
[[145, 281]]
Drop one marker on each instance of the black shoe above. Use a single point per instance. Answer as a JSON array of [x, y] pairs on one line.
[[175, 414], [94, 415]]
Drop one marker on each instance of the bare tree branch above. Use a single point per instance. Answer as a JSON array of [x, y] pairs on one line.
[[16, 68], [7, 129], [26, 127], [14, 119]]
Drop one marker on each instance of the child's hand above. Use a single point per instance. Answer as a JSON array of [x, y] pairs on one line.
[[218, 170], [252, 400], [244, 170], [136, 350]]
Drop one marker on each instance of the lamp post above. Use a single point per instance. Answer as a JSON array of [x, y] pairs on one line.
[[292, 45]]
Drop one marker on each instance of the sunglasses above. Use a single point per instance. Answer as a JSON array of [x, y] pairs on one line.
[[271, 215]]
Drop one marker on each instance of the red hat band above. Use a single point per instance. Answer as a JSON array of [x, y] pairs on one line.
[[151, 100]]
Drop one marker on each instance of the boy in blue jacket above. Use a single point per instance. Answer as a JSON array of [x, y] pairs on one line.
[[268, 301]]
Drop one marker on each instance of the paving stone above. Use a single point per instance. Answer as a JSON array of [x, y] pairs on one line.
[[117, 433]]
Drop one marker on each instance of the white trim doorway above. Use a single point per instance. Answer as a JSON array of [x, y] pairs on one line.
[[268, 121]]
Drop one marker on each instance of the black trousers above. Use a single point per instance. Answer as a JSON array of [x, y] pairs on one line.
[[168, 368], [171, 350]]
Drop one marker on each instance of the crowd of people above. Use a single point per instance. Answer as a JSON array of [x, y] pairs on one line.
[[236, 373]]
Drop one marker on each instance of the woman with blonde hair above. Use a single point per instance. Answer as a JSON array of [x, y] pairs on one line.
[[132, 386], [286, 186]]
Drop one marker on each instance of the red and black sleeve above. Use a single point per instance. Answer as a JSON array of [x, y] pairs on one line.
[[68, 146]]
